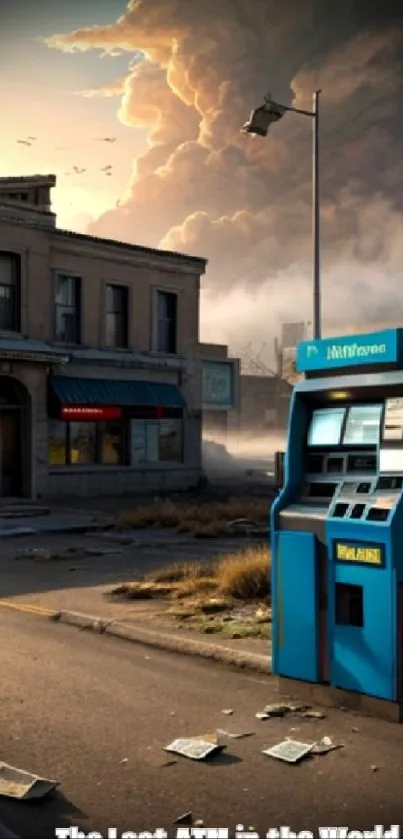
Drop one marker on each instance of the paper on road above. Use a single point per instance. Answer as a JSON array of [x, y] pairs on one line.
[[15, 783]]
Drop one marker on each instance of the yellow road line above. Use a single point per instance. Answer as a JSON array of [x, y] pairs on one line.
[[27, 607]]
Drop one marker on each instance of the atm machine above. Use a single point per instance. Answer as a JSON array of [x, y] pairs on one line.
[[337, 523]]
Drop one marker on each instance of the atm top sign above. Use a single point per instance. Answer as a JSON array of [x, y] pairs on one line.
[[349, 351]]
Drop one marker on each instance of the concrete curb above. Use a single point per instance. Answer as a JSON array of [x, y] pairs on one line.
[[166, 641]]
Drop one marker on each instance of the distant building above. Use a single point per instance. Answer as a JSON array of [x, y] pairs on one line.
[[100, 368], [220, 389], [263, 404]]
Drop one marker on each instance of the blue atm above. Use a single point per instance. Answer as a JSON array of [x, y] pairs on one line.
[[337, 524]]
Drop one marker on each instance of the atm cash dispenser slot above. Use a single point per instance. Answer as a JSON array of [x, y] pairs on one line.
[[390, 482], [357, 511], [320, 490], [335, 464], [340, 510], [378, 514]]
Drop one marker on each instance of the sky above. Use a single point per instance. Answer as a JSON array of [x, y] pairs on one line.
[[172, 81]]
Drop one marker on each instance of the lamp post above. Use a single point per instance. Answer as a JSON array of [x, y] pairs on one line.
[[258, 124]]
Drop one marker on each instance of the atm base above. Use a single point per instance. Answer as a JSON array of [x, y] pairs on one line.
[[331, 697]]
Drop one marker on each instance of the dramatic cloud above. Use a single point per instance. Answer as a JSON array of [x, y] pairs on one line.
[[245, 203], [117, 88]]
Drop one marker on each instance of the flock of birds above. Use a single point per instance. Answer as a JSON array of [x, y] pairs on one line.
[[77, 170]]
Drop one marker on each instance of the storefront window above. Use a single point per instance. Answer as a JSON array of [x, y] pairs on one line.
[[82, 442], [111, 443], [156, 440], [170, 440], [57, 443], [105, 443]]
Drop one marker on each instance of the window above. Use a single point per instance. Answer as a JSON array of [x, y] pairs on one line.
[[154, 441], [110, 443], [166, 323], [10, 292], [170, 440], [57, 443], [86, 443], [117, 299], [67, 309], [82, 442]]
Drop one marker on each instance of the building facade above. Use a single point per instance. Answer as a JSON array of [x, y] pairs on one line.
[[220, 390], [100, 369]]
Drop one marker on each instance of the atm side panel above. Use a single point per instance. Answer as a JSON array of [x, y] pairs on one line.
[[295, 603]]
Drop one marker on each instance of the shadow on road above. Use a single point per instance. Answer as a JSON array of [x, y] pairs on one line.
[[30, 819]]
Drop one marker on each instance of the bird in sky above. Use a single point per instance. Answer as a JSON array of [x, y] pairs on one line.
[[24, 142], [106, 139], [78, 171], [32, 138], [106, 169]]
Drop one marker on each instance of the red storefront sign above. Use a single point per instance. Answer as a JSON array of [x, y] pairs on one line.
[[89, 412]]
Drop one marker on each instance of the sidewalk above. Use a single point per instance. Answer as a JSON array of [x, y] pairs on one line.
[[54, 521], [77, 574]]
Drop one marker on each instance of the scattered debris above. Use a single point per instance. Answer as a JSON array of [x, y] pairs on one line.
[[102, 551], [214, 605], [281, 709], [207, 738], [124, 760], [290, 751], [29, 552], [15, 783], [199, 823], [374, 768], [233, 734], [227, 711], [325, 745], [355, 730], [186, 818], [194, 748], [276, 710], [314, 715]]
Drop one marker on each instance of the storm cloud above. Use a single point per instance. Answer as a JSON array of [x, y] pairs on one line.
[[245, 203]]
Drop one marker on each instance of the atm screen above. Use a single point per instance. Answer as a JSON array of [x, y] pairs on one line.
[[325, 428], [393, 422], [363, 425]]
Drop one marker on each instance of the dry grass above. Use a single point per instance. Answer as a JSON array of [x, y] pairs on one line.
[[208, 519], [243, 575], [220, 595]]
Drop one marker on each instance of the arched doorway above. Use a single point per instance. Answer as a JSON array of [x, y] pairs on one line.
[[15, 438]]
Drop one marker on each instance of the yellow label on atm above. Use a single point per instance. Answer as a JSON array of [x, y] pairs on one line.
[[366, 554]]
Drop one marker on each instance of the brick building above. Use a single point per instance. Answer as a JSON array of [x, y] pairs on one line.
[[100, 369]]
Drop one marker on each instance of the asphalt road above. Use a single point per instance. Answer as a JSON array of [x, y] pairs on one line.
[[75, 705]]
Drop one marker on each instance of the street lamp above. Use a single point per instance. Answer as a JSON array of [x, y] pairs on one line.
[[258, 124]]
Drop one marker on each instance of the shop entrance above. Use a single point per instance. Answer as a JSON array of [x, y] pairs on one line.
[[14, 438]]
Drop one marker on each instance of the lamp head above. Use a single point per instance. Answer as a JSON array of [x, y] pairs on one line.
[[261, 118]]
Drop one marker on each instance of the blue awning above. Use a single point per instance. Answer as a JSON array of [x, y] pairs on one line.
[[117, 393]]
